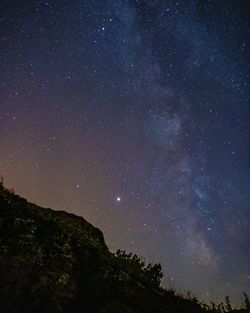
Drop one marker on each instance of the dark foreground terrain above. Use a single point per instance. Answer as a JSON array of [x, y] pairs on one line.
[[53, 261]]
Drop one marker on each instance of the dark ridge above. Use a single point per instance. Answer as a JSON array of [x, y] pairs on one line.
[[56, 262]]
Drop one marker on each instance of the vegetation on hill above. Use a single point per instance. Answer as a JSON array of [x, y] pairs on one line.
[[53, 261]]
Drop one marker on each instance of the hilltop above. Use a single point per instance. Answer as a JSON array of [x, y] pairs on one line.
[[56, 262]]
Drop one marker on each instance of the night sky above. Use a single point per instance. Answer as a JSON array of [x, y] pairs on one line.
[[134, 115]]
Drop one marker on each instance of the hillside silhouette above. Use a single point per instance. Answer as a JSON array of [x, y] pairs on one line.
[[56, 262]]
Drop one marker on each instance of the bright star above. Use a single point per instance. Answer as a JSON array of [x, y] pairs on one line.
[[118, 199]]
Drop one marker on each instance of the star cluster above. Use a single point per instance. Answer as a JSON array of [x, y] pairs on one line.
[[133, 114]]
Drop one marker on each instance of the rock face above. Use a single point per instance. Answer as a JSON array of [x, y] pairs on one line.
[[53, 261]]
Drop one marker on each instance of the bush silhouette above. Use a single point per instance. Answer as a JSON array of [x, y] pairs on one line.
[[150, 274]]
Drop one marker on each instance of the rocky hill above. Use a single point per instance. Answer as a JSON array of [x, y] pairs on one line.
[[53, 261]]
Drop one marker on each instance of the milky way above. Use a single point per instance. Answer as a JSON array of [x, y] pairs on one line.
[[134, 115]]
